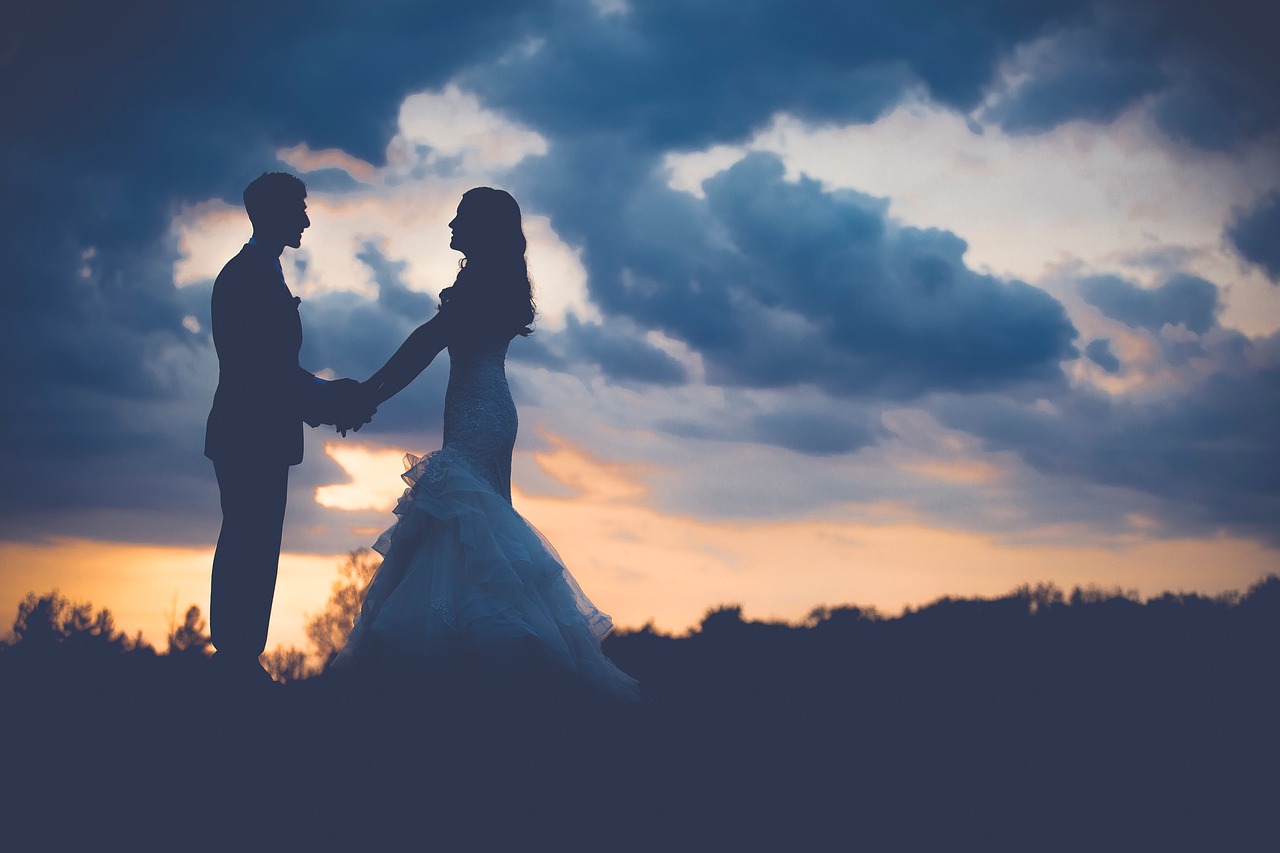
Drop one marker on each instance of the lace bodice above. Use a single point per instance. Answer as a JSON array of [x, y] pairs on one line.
[[479, 414]]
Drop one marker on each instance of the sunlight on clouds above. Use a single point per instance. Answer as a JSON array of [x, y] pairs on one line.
[[956, 471], [589, 476], [558, 276], [1144, 368], [687, 170], [372, 482], [1026, 203], [924, 447], [452, 123], [209, 234], [927, 447], [301, 157], [688, 357]]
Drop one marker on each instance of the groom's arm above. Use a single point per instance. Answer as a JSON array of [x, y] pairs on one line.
[[257, 351], [312, 396]]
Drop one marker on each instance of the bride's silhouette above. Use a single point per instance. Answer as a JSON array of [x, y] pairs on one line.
[[464, 576]]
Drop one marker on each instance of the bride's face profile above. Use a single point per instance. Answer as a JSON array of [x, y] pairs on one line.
[[487, 230], [463, 237], [487, 227]]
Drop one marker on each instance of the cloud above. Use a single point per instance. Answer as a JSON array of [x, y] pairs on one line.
[[811, 433], [452, 123], [1117, 198], [1084, 72], [805, 421], [1199, 452], [679, 76], [1207, 70], [777, 283], [1182, 300], [1099, 352], [1256, 235], [1223, 65], [393, 294], [621, 354]]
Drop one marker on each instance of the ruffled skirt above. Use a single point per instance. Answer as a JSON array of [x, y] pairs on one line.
[[463, 573]]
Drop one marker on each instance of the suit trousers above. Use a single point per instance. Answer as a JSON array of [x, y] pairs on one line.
[[245, 564]]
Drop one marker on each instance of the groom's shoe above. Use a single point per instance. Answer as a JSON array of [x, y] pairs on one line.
[[241, 674]]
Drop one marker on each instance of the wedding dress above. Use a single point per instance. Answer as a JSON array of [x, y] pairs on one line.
[[462, 571]]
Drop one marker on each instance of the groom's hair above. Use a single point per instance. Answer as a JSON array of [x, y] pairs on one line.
[[271, 192]]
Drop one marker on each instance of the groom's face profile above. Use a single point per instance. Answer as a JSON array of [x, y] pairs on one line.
[[277, 207], [292, 221], [283, 222]]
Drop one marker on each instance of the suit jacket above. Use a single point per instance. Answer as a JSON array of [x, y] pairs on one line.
[[263, 394]]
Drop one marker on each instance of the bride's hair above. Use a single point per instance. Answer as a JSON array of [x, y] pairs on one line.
[[493, 279]]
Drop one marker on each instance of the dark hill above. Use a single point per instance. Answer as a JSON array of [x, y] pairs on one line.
[[1033, 722]]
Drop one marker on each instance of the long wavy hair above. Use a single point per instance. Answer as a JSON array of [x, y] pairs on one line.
[[493, 284]]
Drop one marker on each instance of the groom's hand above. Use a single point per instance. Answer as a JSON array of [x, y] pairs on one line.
[[318, 401], [357, 408], [332, 400]]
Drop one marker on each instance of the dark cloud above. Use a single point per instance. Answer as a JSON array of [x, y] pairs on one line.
[[1099, 352], [1080, 73], [1209, 70], [1167, 260], [622, 355], [412, 306], [1256, 235], [681, 75], [815, 425], [812, 433], [1183, 299], [1223, 64], [780, 284], [1203, 458]]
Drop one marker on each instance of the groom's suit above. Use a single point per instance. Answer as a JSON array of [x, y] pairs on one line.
[[254, 434]]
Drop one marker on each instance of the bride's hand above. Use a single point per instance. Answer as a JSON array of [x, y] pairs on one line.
[[361, 408]]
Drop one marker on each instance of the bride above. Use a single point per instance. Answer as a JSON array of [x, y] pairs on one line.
[[464, 577]]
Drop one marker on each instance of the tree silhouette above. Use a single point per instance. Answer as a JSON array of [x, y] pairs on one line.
[[288, 663], [328, 631], [190, 638], [52, 620]]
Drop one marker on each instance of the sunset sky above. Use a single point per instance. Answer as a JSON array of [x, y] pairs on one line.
[[839, 302]]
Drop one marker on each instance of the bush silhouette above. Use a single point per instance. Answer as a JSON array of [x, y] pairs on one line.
[[1041, 720]]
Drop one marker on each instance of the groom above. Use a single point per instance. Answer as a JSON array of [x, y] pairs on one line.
[[254, 430]]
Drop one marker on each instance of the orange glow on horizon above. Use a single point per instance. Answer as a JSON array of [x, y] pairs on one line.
[[146, 586], [641, 564]]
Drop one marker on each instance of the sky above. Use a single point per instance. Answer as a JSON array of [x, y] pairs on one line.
[[846, 302]]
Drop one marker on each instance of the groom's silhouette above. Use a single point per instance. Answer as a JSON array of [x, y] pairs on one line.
[[255, 426]]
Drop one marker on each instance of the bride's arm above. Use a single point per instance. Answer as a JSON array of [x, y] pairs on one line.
[[418, 350]]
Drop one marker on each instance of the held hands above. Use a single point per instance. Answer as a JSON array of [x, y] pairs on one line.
[[350, 405]]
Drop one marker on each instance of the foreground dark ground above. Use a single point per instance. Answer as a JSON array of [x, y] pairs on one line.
[[1025, 723]]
